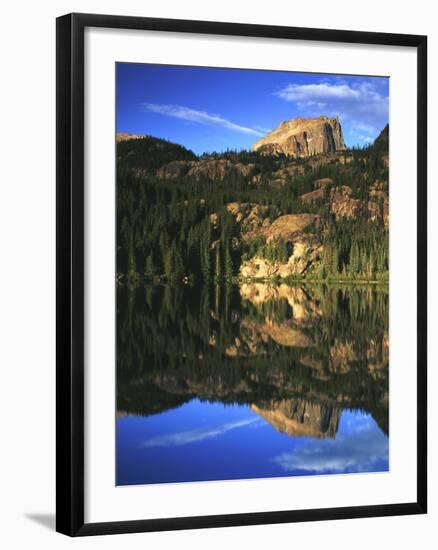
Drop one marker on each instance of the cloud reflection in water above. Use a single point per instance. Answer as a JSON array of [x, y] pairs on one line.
[[359, 446], [191, 436]]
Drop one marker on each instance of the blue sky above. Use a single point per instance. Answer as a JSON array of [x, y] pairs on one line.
[[210, 109]]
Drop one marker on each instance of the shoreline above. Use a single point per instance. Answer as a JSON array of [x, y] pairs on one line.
[[138, 280]]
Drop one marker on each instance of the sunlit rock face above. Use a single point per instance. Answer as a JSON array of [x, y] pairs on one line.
[[343, 206], [303, 137], [313, 196], [174, 169], [250, 215], [287, 227], [124, 136], [378, 204], [306, 255], [295, 229], [340, 202], [298, 417], [209, 169]]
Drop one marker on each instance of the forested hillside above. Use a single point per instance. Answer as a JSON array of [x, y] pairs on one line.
[[248, 215]]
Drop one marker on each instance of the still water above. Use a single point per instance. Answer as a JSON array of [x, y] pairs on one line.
[[251, 381]]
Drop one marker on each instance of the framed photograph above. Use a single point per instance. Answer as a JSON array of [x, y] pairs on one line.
[[241, 274]]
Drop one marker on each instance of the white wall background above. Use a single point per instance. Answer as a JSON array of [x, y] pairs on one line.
[[27, 273]]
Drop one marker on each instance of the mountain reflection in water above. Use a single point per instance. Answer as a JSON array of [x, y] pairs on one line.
[[200, 368]]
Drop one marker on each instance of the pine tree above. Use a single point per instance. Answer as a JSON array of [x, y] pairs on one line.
[[354, 259], [371, 264], [132, 264], [168, 263], [149, 269], [228, 262], [204, 249], [178, 264], [334, 266], [282, 254]]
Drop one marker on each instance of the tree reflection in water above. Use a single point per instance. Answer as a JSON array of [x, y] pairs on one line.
[[297, 356]]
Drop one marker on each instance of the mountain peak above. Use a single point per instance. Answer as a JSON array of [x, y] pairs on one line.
[[303, 137], [381, 143]]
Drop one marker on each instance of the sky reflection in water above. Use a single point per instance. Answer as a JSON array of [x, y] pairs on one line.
[[233, 442]]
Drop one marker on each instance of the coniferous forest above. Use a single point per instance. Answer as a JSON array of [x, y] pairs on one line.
[[182, 217]]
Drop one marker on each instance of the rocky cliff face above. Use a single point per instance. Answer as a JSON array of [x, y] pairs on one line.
[[305, 247], [307, 251], [210, 169], [124, 136], [303, 137], [343, 206]]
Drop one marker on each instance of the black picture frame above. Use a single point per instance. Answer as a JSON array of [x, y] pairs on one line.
[[70, 273]]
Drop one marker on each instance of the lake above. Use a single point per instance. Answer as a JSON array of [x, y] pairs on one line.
[[251, 381]]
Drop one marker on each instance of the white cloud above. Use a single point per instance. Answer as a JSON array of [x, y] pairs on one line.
[[317, 92], [182, 438], [202, 117], [362, 104]]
